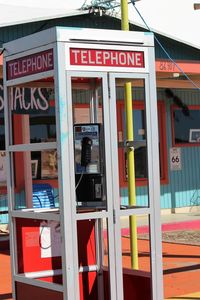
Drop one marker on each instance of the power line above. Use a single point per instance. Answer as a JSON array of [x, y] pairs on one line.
[[2, 51], [163, 48]]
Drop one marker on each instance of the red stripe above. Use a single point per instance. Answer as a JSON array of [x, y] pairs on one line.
[[185, 225]]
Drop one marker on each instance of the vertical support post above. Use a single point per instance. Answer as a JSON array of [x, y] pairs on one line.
[[130, 150], [27, 162], [94, 104]]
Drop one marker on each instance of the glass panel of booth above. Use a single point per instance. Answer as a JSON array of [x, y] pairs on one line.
[[136, 255], [132, 158], [89, 142], [34, 108], [32, 145], [32, 121], [93, 259], [33, 182]]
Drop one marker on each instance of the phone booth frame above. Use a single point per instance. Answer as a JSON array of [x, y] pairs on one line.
[[79, 53]]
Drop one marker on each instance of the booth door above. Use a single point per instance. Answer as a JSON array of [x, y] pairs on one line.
[[117, 198], [88, 94], [136, 182]]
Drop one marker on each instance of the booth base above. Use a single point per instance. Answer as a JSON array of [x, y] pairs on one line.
[[4, 242], [26, 291], [137, 285]]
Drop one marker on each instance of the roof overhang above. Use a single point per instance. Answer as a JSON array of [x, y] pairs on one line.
[[77, 12], [67, 13], [169, 75]]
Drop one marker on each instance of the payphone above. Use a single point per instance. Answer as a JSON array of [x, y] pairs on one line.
[[88, 164]]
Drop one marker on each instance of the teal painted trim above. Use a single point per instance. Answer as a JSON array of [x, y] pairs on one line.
[[148, 33], [3, 207], [141, 196], [19, 204]]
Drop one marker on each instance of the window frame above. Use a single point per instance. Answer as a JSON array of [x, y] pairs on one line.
[[123, 182], [174, 144], [162, 137], [3, 188], [19, 174]]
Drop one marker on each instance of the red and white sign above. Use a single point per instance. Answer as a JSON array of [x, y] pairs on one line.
[[106, 58], [29, 65]]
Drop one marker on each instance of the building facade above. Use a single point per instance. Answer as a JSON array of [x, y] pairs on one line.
[[178, 115]]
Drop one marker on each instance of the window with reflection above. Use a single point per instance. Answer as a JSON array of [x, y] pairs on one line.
[[140, 147], [43, 127], [34, 121], [186, 125]]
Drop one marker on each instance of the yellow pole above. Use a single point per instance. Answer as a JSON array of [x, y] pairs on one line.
[[130, 150]]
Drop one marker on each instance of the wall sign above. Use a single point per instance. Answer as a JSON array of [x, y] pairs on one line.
[[50, 239], [175, 159], [27, 100], [103, 57], [194, 136], [29, 65]]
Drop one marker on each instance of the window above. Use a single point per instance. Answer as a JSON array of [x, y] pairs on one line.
[[43, 129], [34, 121], [186, 126], [140, 152]]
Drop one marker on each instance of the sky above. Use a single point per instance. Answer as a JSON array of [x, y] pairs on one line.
[[176, 18]]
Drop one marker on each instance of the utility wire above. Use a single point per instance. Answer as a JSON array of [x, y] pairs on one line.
[[163, 48], [2, 51]]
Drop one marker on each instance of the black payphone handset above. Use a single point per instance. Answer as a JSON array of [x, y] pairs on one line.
[[88, 163], [86, 151]]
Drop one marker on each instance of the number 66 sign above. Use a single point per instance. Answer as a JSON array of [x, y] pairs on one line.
[[175, 159]]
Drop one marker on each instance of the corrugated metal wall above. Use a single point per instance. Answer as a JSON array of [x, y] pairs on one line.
[[182, 184], [183, 188]]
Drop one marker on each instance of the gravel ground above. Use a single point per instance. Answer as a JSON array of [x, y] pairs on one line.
[[189, 237]]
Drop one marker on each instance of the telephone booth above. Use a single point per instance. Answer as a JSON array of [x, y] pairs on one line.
[[66, 150]]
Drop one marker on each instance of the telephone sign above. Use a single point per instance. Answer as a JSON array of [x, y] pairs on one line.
[[103, 57], [31, 64]]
